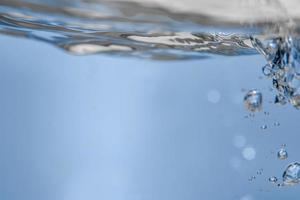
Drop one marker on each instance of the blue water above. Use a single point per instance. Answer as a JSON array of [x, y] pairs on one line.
[[131, 101], [108, 127]]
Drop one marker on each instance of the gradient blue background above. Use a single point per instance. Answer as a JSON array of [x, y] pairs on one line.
[[115, 128]]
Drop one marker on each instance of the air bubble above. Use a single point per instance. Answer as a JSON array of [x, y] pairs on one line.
[[283, 68], [252, 178], [291, 175], [253, 101], [267, 70], [295, 101], [263, 127], [276, 124], [282, 154], [260, 171], [273, 179], [280, 99]]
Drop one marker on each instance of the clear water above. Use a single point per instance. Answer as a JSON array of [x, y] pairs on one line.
[[154, 106]]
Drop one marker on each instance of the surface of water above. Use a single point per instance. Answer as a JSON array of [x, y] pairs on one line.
[[154, 106]]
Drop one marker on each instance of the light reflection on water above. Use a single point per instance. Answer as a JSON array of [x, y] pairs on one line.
[[126, 28], [149, 29]]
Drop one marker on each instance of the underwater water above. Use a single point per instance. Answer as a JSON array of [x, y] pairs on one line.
[[143, 100]]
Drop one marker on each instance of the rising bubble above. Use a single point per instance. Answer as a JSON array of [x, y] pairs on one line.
[[273, 179], [276, 123], [295, 101], [282, 154], [252, 178], [253, 101], [291, 175], [260, 172], [283, 67], [264, 127]]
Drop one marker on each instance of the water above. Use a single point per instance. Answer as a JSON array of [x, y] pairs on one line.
[[104, 27], [145, 99], [276, 124], [260, 172]]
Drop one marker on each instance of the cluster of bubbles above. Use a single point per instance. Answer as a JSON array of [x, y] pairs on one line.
[[291, 175], [258, 173], [283, 67], [253, 101]]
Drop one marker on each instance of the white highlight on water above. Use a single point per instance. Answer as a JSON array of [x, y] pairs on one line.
[[249, 153]]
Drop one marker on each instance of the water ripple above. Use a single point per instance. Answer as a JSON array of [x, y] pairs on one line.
[[127, 28]]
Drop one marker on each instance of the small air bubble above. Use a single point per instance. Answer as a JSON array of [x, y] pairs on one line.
[[259, 172], [273, 179], [252, 115], [276, 124], [253, 101], [264, 127], [282, 154], [252, 178], [279, 99], [295, 101], [279, 185]]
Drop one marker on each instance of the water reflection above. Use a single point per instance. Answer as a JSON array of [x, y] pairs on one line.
[[129, 28]]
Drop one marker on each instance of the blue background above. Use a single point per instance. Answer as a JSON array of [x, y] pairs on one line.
[[116, 128]]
